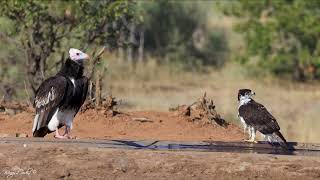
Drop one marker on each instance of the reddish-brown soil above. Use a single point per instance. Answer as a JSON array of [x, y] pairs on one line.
[[132, 125], [69, 161]]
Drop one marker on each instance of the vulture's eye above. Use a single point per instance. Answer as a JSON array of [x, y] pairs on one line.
[[77, 54]]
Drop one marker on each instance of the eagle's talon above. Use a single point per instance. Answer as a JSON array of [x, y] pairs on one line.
[[251, 141]]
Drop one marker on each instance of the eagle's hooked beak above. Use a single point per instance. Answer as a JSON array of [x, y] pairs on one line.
[[253, 93]]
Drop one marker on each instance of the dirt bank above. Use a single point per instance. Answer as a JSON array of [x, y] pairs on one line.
[[132, 125]]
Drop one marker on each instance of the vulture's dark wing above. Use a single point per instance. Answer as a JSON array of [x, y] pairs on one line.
[[81, 91], [47, 100], [257, 116]]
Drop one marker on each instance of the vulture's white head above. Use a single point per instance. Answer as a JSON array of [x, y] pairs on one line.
[[77, 55]]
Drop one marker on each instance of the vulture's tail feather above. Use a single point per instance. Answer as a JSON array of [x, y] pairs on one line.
[[41, 132], [39, 128]]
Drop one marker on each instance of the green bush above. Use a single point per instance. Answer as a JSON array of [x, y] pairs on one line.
[[177, 32], [284, 35]]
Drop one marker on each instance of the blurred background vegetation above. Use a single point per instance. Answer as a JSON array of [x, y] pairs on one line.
[[164, 53]]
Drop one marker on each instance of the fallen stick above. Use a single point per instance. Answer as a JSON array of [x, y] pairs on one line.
[[142, 119]]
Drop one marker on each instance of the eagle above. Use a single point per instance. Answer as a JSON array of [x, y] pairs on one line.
[[59, 98], [255, 117]]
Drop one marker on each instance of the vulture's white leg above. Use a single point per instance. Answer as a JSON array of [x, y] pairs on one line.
[[58, 136], [67, 133]]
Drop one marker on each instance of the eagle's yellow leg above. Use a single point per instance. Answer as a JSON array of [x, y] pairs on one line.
[[250, 141], [252, 134]]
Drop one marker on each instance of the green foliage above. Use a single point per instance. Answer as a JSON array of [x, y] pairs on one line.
[[284, 35], [85, 16], [39, 34], [178, 32], [43, 31]]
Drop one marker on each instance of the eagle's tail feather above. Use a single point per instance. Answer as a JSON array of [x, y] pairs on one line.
[[283, 141], [277, 137]]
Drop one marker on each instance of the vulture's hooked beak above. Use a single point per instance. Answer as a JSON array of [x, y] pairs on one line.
[[87, 57]]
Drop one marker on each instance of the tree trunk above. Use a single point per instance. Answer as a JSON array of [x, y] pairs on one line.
[[132, 28], [91, 90], [141, 46], [98, 89]]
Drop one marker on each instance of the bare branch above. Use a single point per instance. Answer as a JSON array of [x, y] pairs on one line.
[[95, 60]]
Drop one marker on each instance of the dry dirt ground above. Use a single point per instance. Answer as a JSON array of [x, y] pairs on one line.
[[71, 162], [48, 161]]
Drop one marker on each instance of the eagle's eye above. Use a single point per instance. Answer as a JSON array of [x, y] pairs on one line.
[[77, 54]]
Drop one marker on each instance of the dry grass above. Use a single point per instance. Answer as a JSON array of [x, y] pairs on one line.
[[154, 87]]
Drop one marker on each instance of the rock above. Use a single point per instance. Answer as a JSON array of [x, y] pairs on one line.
[[10, 112], [110, 113], [21, 135], [4, 135], [182, 110], [15, 108], [2, 109]]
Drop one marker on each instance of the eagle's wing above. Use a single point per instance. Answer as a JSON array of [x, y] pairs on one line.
[[257, 116], [48, 97], [81, 91]]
